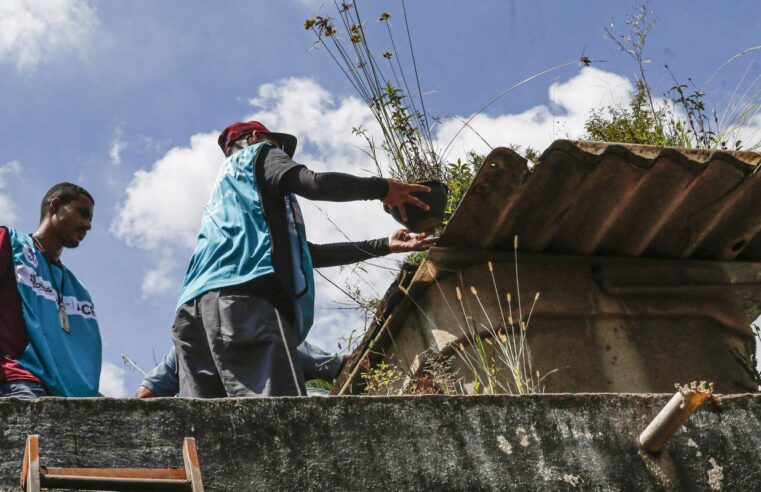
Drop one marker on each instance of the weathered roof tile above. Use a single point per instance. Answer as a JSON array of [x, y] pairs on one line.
[[589, 198]]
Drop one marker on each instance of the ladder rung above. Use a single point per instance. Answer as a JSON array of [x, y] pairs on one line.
[[175, 473], [35, 477], [112, 483]]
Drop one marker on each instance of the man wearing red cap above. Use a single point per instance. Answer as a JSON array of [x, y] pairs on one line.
[[247, 299]]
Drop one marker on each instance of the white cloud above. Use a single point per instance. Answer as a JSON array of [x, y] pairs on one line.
[[34, 31], [312, 4], [748, 134], [162, 209], [323, 124], [564, 117], [162, 278], [304, 108], [113, 381], [7, 207], [117, 145]]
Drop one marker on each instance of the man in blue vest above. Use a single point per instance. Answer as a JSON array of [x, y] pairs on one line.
[[247, 300], [49, 338]]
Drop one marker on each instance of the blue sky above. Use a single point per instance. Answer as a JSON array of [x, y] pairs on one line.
[[126, 99]]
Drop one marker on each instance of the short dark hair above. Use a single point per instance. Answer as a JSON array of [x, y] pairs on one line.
[[66, 192]]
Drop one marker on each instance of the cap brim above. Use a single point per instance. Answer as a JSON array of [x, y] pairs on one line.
[[287, 141]]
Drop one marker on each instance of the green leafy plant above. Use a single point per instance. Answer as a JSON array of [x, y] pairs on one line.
[[682, 117], [634, 124], [319, 386], [382, 379], [459, 177]]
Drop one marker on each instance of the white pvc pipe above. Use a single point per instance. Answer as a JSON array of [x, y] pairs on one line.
[[676, 412]]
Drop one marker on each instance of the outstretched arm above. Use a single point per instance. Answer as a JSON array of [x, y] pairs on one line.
[[333, 187], [336, 254], [162, 380], [340, 187], [317, 363]]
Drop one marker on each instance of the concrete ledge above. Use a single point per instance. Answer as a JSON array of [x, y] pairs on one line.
[[543, 442]]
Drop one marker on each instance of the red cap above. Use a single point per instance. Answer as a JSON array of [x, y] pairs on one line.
[[239, 129]]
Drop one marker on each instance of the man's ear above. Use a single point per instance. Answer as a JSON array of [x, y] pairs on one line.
[[55, 205]]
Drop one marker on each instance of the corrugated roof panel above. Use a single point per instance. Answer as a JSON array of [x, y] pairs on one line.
[[543, 201], [589, 198], [596, 205], [717, 178], [736, 221], [653, 199], [490, 198]]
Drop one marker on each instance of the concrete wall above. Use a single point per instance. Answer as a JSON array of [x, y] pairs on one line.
[[547, 442]]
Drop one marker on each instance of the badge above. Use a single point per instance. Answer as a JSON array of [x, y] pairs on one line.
[[64, 318]]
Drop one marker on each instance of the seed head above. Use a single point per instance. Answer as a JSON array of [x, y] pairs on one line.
[[459, 294], [491, 266], [384, 16], [515, 242], [473, 291]]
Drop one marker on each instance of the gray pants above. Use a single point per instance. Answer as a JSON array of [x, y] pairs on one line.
[[230, 344]]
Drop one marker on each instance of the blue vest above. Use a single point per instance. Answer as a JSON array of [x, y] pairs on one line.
[[68, 363], [234, 244]]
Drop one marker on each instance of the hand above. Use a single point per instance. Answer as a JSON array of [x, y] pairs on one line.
[[143, 392], [404, 241], [400, 193]]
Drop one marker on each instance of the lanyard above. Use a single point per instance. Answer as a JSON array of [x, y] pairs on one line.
[[63, 317]]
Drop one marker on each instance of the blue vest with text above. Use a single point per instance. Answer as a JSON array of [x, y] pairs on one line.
[[67, 362], [234, 244]]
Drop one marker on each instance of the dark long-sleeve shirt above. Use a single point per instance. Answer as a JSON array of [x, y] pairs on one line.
[[334, 187], [336, 254], [277, 176]]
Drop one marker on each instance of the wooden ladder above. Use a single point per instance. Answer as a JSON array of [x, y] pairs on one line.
[[35, 477]]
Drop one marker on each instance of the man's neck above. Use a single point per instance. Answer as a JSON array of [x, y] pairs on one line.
[[51, 246]]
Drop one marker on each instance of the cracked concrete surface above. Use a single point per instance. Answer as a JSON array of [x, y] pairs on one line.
[[542, 442]]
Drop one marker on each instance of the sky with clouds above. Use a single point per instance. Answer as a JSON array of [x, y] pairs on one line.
[[127, 99]]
